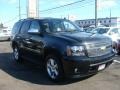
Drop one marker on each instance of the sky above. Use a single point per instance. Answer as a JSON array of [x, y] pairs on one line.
[[9, 10]]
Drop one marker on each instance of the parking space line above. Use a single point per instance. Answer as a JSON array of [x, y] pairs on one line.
[[117, 61]]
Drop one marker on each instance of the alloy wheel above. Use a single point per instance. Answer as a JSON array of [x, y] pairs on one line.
[[16, 53], [52, 68]]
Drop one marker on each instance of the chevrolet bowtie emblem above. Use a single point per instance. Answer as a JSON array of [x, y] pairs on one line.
[[103, 48]]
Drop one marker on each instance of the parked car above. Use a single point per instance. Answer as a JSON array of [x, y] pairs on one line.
[[5, 34], [113, 33], [61, 47]]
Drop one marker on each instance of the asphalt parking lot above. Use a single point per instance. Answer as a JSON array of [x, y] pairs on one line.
[[26, 76]]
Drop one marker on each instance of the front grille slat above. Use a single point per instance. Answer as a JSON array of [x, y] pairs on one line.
[[97, 49]]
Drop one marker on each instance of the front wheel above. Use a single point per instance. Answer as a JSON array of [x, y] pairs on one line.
[[54, 68], [116, 49]]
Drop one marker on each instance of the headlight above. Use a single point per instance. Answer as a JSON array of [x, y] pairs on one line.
[[75, 51]]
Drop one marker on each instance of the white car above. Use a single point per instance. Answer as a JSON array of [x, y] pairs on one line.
[[113, 33], [5, 34]]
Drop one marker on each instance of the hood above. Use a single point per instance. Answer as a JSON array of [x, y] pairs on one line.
[[83, 36]]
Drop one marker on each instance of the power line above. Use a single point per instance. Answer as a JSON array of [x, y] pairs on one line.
[[62, 6], [86, 4], [50, 9], [16, 17]]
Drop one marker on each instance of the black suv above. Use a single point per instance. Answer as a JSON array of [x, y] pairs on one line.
[[61, 47]]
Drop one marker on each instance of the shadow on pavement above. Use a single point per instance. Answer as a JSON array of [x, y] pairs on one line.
[[28, 72]]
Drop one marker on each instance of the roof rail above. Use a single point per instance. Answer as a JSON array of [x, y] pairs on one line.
[[21, 19], [30, 18], [26, 19]]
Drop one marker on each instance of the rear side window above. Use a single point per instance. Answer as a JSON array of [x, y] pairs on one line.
[[16, 27], [25, 27]]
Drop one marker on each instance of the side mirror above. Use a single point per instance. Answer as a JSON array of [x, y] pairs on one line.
[[34, 31]]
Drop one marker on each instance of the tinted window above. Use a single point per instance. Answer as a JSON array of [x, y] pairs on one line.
[[16, 28], [103, 30], [45, 26], [64, 26], [58, 26], [35, 25], [68, 26], [25, 27]]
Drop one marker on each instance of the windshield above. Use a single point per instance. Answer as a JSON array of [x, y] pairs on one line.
[[64, 26], [100, 30], [115, 31]]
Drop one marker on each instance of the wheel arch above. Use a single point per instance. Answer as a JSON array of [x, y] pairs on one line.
[[14, 44], [52, 51]]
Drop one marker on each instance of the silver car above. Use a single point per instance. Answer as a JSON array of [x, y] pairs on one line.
[[113, 33], [5, 34]]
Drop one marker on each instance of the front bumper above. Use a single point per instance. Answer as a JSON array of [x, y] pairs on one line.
[[84, 66]]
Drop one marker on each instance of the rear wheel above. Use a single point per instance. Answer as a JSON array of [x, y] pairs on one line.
[[16, 54], [118, 51], [54, 68]]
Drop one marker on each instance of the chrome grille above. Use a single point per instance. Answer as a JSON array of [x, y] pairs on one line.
[[99, 49]]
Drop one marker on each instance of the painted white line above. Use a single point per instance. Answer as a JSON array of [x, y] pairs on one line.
[[117, 61]]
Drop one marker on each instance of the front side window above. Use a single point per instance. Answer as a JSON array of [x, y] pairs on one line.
[[68, 26], [35, 25], [45, 27]]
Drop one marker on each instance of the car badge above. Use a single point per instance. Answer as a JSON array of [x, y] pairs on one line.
[[103, 48]]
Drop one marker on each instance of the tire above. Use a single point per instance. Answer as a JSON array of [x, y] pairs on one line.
[[118, 52], [16, 54], [116, 49], [54, 69]]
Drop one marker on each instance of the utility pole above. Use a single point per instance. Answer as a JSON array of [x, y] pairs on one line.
[[19, 10], [110, 18], [96, 21]]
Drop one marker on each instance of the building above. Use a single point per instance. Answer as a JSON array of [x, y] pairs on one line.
[[33, 11], [113, 21]]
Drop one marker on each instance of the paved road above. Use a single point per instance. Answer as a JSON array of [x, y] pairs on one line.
[[26, 76]]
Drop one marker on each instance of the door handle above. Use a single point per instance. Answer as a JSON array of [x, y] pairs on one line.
[[18, 37], [27, 41]]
